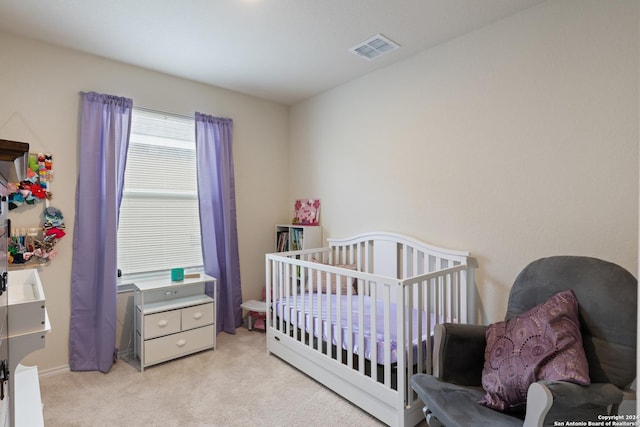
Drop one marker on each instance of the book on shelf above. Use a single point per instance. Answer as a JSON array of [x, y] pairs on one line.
[[296, 239], [283, 241]]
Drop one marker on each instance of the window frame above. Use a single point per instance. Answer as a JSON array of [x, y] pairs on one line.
[[139, 139]]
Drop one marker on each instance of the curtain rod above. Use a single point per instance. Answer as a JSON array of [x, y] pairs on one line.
[[151, 110]]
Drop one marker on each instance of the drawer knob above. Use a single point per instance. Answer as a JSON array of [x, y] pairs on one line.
[[162, 323], [181, 343], [197, 315]]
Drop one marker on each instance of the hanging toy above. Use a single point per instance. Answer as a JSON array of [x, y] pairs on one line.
[[33, 163], [36, 185], [53, 218], [42, 170], [48, 165]]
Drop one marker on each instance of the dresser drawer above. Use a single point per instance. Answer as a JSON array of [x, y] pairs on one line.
[[197, 316], [171, 346], [163, 323]]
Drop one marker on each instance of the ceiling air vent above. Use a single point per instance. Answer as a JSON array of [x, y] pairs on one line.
[[376, 46]]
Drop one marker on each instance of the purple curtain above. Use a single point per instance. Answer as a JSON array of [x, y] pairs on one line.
[[217, 200], [104, 139]]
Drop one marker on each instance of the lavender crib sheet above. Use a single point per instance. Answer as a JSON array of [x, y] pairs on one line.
[[304, 303]]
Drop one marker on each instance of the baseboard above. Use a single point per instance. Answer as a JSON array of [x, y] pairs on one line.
[[124, 355], [53, 371]]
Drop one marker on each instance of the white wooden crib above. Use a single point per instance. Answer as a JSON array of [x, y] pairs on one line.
[[358, 315]]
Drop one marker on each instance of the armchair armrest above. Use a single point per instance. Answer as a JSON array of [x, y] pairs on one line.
[[459, 353], [560, 400], [628, 405]]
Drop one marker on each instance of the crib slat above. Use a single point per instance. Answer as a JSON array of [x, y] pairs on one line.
[[429, 327], [449, 285], [327, 285], [339, 329], [456, 292], [361, 329], [349, 336], [316, 328], [387, 335], [419, 288], [285, 272], [374, 338], [408, 347]]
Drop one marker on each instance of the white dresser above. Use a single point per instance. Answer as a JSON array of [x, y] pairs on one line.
[[173, 319]]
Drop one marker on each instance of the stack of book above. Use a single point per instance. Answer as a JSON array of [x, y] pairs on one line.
[[283, 241], [296, 239]]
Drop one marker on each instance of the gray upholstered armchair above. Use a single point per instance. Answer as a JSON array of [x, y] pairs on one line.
[[606, 297]]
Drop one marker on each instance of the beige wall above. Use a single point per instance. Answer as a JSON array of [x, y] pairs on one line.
[[39, 104], [517, 141]]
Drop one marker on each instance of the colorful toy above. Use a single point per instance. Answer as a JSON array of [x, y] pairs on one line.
[[24, 245], [48, 166], [33, 164]]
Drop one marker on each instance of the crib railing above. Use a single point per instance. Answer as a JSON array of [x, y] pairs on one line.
[[382, 326]]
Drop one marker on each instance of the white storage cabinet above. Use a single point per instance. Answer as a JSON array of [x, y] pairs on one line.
[[173, 319]]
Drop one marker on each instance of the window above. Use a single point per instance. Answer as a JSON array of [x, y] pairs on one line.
[[159, 225]]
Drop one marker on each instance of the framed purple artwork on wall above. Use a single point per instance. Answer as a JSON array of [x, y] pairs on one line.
[[307, 212]]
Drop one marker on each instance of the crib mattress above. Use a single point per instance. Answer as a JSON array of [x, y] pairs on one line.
[[310, 312]]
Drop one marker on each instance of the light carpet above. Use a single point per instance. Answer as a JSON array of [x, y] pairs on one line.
[[238, 384]]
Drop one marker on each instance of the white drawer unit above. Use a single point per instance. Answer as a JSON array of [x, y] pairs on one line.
[[173, 319]]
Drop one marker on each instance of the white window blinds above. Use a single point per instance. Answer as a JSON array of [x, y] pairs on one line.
[[159, 225]]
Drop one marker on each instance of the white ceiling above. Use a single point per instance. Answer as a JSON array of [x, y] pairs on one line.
[[282, 50]]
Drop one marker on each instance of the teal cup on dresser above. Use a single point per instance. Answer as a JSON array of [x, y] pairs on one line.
[[177, 274]]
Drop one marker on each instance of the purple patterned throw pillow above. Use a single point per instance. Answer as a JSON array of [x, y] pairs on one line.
[[543, 343]]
